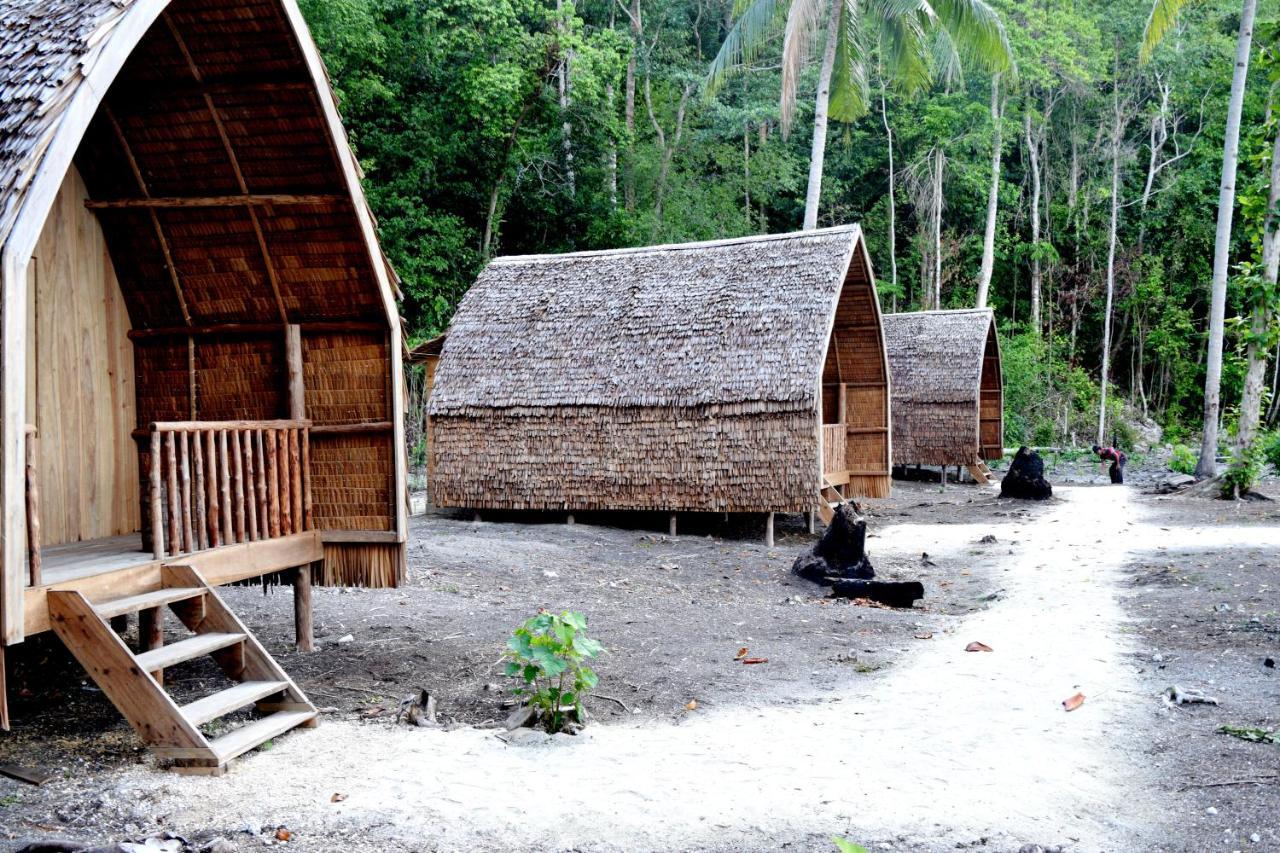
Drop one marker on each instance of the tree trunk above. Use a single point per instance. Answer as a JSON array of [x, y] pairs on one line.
[[611, 165], [993, 199], [629, 110], [937, 227], [668, 150], [818, 150], [893, 226], [1256, 352], [1117, 136], [1033, 149], [1208, 465], [564, 87]]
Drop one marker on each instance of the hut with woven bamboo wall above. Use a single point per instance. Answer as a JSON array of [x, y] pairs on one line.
[[727, 376], [201, 344], [947, 387]]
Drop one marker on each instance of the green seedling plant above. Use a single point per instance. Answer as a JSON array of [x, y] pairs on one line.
[[549, 654]]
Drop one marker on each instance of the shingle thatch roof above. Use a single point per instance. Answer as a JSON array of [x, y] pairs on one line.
[[741, 321], [936, 356], [44, 46]]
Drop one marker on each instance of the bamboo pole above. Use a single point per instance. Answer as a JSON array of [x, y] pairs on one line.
[[264, 515], [251, 480], [273, 483], [295, 489], [282, 459], [34, 559], [307, 521]]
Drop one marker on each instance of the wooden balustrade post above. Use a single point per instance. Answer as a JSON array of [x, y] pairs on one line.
[[295, 485], [251, 483], [170, 460], [157, 522], [211, 490], [273, 483], [184, 475], [237, 453], [307, 521], [33, 511], [201, 519], [151, 634], [224, 488], [264, 514], [302, 616], [282, 459]]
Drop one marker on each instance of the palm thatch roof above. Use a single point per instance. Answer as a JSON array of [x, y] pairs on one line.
[[730, 321]]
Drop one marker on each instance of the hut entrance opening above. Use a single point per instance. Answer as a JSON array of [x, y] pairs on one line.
[[855, 413]]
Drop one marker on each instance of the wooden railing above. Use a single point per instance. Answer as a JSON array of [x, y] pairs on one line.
[[833, 448], [215, 483]]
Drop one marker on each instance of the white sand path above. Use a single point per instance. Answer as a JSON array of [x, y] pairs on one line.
[[945, 747]]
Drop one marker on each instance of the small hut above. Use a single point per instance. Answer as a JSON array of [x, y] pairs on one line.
[[201, 347], [730, 376], [947, 388]]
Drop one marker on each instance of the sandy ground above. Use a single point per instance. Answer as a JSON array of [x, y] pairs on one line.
[[855, 727]]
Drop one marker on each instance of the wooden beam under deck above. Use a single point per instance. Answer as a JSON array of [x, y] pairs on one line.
[[218, 565]]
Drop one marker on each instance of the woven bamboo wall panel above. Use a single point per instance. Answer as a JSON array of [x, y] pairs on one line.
[[226, 38], [320, 262], [80, 379], [345, 376], [351, 482], [223, 275], [867, 452], [279, 139], [586, 458], [163, 381], [864, 407], [240, 379], [140, 268]]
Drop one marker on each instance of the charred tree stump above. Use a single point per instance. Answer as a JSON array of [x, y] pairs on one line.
[[840, 553], [891, 593], [1025, 479]]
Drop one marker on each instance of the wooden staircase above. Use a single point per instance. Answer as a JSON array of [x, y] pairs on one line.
[[981, 473], [134, 682], [829, 498]]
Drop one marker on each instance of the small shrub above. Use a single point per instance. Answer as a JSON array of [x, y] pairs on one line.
[[1182, 460], [548, 654], [846, 846], [1243, 472], [1270, 443]]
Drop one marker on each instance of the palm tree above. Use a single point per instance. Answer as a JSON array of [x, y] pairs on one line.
[[1164, 14], [917, 39]]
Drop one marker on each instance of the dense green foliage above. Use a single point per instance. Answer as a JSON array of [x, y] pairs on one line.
[[473, 147]]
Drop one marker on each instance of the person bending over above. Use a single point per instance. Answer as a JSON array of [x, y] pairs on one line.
[[1116, 458]]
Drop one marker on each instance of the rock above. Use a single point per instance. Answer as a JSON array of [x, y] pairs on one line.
[[1269, 663], [1211, 810], [1255, 838], [520, 718], [547, 573], [219, 845], [418, 709], [1173, 482], [526, 737], [988, 540], [1025, 479], [344, 639]]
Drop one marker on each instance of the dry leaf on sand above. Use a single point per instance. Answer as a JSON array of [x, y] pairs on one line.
[[975, 646], [1074, 702]]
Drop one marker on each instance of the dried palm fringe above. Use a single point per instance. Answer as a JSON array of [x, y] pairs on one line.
[[372, 566]]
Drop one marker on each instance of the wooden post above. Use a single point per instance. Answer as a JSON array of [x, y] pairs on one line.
[[671, 525], [151, 634], [184, 475], [293, 366], [306, 479], [250, 486], [157, 523], [569, 519], [302, 609], [813, 522], [171, 479], [237, 471], [33, 525], [224, 488], [212, 521], [4, 691], [768, 530], [943, 477]]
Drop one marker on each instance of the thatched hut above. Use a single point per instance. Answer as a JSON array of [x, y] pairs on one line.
[[201, 346], [727, 376], [947, 387]]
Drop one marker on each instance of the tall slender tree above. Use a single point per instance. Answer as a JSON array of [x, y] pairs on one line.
[[1164, 15]]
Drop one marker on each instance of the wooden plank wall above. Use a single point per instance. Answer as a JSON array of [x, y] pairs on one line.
[[80, 376]]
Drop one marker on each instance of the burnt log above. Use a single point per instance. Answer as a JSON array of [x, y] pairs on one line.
[[894, 594], [1025, 478], [840, 553]]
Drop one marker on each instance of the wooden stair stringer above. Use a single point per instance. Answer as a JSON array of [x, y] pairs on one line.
[[151, 712]]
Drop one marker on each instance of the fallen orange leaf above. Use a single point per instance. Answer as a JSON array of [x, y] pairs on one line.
[[975, 646], [742, 653], [283, 834], [1074, 702], [755, 660], [337, 798], [692, 706]]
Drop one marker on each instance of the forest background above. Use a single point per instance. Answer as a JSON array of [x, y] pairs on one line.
[[490, 127]]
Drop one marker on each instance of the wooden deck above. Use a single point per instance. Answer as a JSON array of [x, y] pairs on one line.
[[116, 567]]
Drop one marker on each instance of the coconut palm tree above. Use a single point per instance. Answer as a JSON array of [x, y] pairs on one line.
[[918, 40], [1164, 14]]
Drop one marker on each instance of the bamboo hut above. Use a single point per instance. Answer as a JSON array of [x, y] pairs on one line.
[[737, 375], [947, 389], [201, 347]]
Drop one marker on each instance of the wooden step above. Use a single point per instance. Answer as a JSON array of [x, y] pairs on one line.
[[184, 650], [258, 732], [232, 699], [134, 603]]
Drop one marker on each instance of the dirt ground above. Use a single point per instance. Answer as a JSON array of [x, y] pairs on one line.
[[867, 721]]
